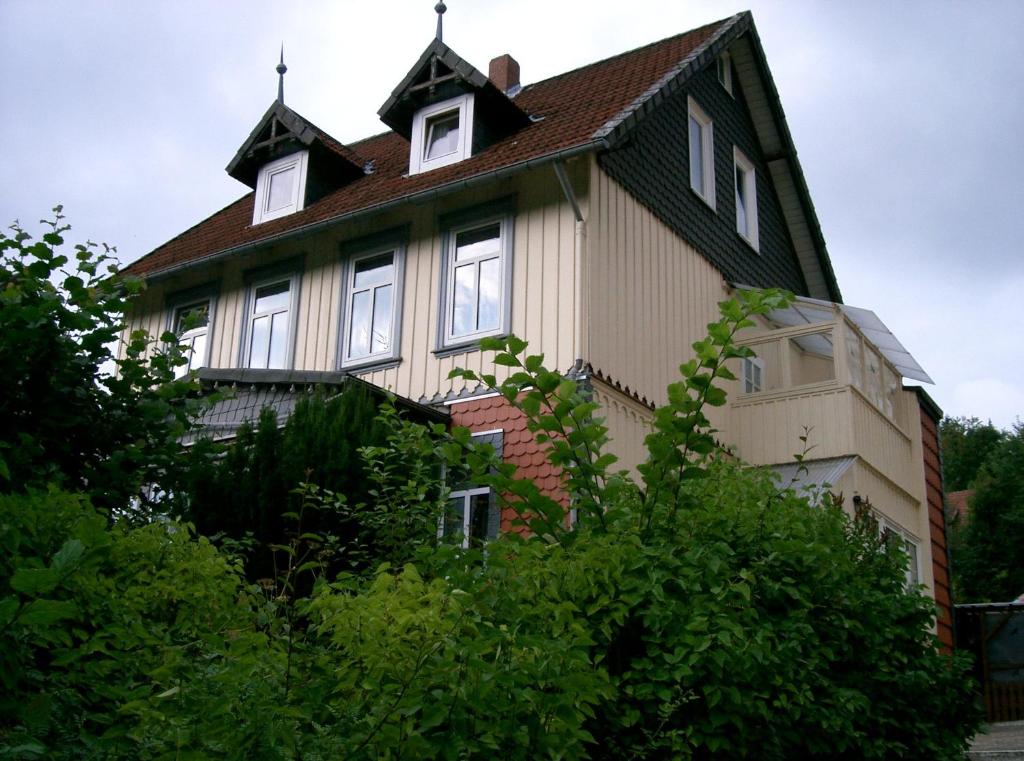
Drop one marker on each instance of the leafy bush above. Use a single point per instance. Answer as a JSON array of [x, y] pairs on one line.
[[65, 418], [700, 613], [89, 613]]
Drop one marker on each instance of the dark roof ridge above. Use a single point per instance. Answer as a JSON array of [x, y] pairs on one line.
[[649, 97]]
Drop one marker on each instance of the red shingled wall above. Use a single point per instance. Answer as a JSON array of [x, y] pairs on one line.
[[518, 446], [937, 526]]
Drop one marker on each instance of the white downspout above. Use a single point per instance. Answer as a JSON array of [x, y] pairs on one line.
[[579, 241]]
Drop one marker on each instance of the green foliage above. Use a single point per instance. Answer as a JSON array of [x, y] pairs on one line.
[[248, 492], [702, 613], [988, 550], [87, 612], [62, 420], [966, 445]]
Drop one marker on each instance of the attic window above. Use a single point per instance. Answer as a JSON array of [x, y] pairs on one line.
[[281, 188], [724, 65], [442, 134]]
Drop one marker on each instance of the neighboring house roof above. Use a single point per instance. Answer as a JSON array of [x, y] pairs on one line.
[[248, 392], [959, 502], [812, 478], [584, 110]]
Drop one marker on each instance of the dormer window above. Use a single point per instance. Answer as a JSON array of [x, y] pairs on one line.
[[442, 134], [281, 187]]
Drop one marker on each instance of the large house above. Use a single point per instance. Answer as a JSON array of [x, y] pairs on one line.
[[601, 215]]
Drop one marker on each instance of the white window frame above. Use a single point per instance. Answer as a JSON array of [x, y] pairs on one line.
[[189, 336], [466, 496], [748, 379], [348, 300], [297, 162], [749, 231], [913, 569], [446, 328], [723, 66], [703, 186], [251, 316], [182, 300], [463, 106]]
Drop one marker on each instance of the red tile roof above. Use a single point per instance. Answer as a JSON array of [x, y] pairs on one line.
[[571, 108]]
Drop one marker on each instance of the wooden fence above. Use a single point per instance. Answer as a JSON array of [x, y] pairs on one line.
[[994, 634]]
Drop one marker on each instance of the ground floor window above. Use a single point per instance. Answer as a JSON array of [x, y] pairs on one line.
[[472, 517]]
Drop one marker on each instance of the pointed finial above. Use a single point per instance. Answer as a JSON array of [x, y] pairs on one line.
[[440, 8], [281, 69]]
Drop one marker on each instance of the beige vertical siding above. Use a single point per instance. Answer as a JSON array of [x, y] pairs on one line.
[[651, 295], [766, 428], [628, 424], [543, 287]]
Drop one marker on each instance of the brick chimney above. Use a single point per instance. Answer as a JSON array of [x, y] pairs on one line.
[[504, 73]]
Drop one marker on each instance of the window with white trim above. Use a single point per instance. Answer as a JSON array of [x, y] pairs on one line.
[[753, 375], [702, 152], [477, 281], [442, 134], [473, 516], [268, 325], [746, 198], [191, 324], [893, 536], [281, 187], [724, 68], [371, 299]]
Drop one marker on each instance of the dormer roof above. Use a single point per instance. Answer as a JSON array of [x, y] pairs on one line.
[[587, 110], [280, 132], [440, 74]]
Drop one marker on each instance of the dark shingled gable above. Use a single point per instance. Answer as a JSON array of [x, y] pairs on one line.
[[573, 107]]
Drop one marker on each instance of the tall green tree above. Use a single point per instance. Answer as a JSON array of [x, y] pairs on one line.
[[74, 412], [988, 551], [966, 444]]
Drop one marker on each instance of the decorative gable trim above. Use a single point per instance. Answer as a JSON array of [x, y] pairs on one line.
[[440, 74], [281, 132]]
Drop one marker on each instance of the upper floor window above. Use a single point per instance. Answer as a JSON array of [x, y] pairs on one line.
[[442, 134], [371, 299], [746, 198], [724, 67], [477, 282], [268, 334], [702, 152], [281, 187], [190, 321]]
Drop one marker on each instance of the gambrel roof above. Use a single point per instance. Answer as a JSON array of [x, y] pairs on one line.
[[586, 110]]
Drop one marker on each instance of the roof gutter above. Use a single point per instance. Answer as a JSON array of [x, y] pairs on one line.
[[412, 198]]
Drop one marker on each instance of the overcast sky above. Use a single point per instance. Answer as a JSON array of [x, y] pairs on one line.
[[908, 118]]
